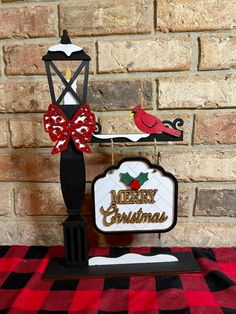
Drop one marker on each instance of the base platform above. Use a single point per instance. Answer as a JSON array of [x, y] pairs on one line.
[[57, 270]]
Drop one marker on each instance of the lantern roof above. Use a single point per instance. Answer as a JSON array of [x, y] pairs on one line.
[[66, 51]]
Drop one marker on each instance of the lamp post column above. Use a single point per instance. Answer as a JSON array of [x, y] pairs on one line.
[[73, 182], [61, 126]]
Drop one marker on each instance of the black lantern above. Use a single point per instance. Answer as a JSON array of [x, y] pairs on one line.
[[66, 51], [72, 168]]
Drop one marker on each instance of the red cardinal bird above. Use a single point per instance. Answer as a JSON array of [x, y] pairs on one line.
[[150, 124]]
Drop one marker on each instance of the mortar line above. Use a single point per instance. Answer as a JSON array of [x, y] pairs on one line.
[[145, 75], [118, 37]]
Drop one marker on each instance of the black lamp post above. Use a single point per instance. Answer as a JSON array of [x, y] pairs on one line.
[[72, 168]]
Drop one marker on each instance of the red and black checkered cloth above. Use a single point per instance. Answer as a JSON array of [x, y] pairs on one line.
[[22, 289]]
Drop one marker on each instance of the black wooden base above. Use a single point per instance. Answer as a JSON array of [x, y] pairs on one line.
[[57, 270]]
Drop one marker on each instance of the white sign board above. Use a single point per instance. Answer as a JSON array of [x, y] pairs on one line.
[[135, 196]]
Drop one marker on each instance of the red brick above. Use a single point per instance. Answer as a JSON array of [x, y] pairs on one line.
[[42, 167], [216, 201], [149, 54], [30, 21], [27, 59], [107, 17], [24, 59], [197, 92], [34, 202], [217, 52], [96, 163], [205, 165], [5, 201], [184, 200], [10, 0], [37, 167], [3, 133], [24, 95], [192, 15], [201, 233], [29, 133], [31, 232], [215, 128], [117, 95]]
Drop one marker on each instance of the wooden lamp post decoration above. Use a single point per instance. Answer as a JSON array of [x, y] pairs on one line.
[[70, 124], [132, 196]]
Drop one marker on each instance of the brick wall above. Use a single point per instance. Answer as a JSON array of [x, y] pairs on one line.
[[177, 58]]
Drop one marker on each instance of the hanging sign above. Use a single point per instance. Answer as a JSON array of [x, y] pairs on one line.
[[135, 196]]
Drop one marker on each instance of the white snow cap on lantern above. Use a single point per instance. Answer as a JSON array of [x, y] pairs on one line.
[[65, 45], [67, 49]]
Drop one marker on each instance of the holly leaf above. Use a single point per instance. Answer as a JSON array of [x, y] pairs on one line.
[[142, 178], [126, 178]]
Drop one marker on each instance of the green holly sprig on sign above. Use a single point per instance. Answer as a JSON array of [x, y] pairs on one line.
[[134, 183]]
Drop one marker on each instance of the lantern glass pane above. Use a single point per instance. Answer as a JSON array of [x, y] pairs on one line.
[[67, 69]]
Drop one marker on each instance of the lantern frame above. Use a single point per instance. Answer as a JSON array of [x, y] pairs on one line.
[[77, 55]]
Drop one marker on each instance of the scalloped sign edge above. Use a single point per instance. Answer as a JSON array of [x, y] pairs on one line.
[[97, 193]]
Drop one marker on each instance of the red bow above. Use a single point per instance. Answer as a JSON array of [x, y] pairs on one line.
[[80, 128]]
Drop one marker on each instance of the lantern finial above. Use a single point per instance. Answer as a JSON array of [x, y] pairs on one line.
[[65, 39]]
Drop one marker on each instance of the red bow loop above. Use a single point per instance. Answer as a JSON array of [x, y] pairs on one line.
[[60, 129]]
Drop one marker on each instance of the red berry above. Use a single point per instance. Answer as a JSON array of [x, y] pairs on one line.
[[134, 185]]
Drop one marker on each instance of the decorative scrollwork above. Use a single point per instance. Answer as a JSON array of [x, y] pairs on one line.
[[98, 128], [175, 124]]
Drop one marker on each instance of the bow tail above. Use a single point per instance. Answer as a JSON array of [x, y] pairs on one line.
[[60, 145], [80, 143]]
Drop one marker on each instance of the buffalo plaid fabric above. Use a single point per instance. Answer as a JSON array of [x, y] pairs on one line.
[[22, 289]]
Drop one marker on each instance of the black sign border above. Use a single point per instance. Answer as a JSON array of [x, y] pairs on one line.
[[151, 166]]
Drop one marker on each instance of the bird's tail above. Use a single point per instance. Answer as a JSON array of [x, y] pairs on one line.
[[173, 132]]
